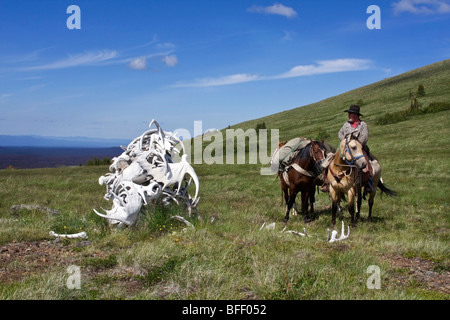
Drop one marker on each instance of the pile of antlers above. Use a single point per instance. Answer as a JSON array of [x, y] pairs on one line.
[[145, 173]]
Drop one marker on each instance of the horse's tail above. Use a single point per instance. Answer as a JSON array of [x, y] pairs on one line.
[[384, 189]]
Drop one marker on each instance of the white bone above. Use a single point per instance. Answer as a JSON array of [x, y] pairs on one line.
[[304, 234], [270, 226], [296, 233], [179, 218], [70, 236]]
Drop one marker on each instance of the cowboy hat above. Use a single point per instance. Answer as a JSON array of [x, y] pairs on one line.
[[354, 109]]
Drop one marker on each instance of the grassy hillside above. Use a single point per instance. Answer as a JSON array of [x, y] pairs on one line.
[[388, 95], [226, 255]]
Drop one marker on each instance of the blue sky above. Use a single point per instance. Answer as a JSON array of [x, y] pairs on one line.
[[221, 62]]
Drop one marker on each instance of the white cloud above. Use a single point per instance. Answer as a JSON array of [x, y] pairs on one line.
[[277, 8], [170, 60], [422, 6], [220, 81], [139, 63], [165, 46], [83, 59], [326, 66], [322, 67]]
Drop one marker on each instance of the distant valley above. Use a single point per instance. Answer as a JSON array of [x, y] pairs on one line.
[[28, 152], [60, 142], [51, 157]]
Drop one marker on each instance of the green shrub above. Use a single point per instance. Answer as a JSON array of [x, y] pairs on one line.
[[393, 117], [421, 90], [260, 125], [414, 109], [437, 107]]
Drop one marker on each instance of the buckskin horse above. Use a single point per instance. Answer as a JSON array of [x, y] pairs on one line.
[[300, 176], [343, 174]]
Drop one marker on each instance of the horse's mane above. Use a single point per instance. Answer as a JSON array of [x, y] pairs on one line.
[[304, 152]]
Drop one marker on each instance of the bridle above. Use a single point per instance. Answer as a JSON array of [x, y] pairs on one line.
[[347, 150], [313, 153]]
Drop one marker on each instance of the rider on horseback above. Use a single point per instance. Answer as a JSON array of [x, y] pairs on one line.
[[360, 131]]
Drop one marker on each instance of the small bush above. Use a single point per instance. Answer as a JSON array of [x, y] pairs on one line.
[[393, 117], [260, 125], [437, 107], [421, 90], [415, 105]]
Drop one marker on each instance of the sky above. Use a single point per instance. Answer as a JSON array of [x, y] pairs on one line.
[[105, 69]]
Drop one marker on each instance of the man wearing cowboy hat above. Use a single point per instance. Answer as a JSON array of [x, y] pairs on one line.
[[360, 132], [354, 123]]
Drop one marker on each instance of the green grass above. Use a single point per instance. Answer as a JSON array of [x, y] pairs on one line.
[[226, 255]]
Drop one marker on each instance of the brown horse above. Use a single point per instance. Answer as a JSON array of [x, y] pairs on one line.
[[342, 173], [300, 176]]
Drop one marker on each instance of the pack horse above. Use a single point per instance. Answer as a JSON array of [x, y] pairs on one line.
[[298, 163]]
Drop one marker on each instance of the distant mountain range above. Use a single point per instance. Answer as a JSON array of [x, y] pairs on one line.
[[60, 142]]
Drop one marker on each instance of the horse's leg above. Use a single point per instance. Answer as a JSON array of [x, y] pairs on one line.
[[305, 197], [376, 180], [351, 204], [371, 197], [312, 198], [294, 209], [358, 202], [335, 199], [290, 203], [286, 199]]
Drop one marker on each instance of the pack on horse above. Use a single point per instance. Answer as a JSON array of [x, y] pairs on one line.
[[299, 175], [346, 176]]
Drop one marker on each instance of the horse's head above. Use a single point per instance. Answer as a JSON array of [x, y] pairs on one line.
[[317, 151], [351, 152]]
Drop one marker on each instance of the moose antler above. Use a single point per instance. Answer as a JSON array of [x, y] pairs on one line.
[[333, 237], [146, 172]]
